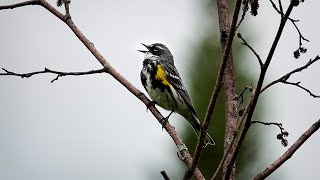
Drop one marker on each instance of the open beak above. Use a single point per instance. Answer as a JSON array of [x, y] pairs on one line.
[[144, 51]]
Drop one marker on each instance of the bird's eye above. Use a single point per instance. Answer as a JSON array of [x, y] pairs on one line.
[[156, 49]]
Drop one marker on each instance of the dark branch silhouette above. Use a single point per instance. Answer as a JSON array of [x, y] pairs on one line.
[[301, 49], [244, 42], [165, 175], [46, 71], [253, 104], [241, 96], [245, 9], [282, 136], [297, 84], [217, 88], [237, 133], [288, 154], [66, 18], [285, 77]]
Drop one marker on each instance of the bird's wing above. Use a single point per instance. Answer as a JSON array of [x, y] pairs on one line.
[[175, 79]]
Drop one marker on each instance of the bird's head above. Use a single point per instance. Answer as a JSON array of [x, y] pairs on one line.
[[157, 49]]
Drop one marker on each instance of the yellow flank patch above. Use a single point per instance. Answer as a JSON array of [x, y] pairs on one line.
[[161, 75]]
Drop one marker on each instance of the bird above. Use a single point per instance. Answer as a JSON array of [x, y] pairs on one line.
[[162, 82]]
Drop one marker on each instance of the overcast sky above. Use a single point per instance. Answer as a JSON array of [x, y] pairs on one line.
[[76, 128]]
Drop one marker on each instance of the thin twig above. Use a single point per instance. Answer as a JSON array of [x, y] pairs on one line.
[[253, 104], [285, 77], [301, 87], [46, 70], [165, 175], [288, 154], [301, 37], [278, 11], [241, 97], [115, 74], [282, 136], [293, 21], [21, 4], [244, 12], [268, 124], [281, 9], [244, 42], [67, 8], [216, 91]]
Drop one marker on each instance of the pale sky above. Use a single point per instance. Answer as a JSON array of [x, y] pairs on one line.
[[76, 128]]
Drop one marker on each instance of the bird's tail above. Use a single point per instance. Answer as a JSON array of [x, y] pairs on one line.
[[208, 139], [196, 127]]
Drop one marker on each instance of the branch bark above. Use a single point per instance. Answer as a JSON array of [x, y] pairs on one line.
[[288, 154], [253, 103], [46, 70], [285, 77], [68, 21], [231, 101], [216, 91]]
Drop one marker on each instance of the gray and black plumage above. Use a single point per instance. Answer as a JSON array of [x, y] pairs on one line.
[[163, 83]]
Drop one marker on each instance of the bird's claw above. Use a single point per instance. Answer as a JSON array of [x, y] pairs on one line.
[[150, 103], [164, 122]]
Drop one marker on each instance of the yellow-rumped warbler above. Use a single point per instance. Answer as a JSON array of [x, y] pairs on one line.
[[162, 82]]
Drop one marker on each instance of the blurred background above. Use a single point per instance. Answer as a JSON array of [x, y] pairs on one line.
[[91, 127]]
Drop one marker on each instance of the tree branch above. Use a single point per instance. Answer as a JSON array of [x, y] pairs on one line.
[[232, 140], [244, 42], [245, 4], [68, 21], [293, 21], [231, 99], [241, 96], [301, 87], [46, 70], [17, 5], [288, 154], [282, 136], [218, 85], [165, 175], [253, 104], [285, 77]]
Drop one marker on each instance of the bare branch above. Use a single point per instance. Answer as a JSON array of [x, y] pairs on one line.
[[284, 78], [288, 154], [165, 175], [301, 37], [281, 11], [293, 21], [232, 140], [17, 5], [244, 42], [268, 124], [282, 136], [170, 129], [46, 70], [244, 12], [217, 88], [67, 8], [280, 7], [250, 88], [253, 104], [301, 87]]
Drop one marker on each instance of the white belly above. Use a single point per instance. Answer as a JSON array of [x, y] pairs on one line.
[[163, 98]]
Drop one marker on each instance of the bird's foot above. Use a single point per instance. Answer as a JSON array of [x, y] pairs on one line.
[[150, 103], [165, 120]]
